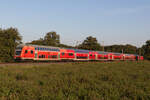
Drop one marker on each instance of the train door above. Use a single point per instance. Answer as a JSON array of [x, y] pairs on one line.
[[36, 55], [112, 57], [92, 56], [59, 56], [108, 56], [96, 56], [26, 53], [75, 56], [137, 58], [124, 57], [70, 54], [63, 54]]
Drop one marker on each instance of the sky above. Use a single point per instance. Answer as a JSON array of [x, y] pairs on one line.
[[111, 21]]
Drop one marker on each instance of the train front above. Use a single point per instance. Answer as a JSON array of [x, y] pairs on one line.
[[18, 52]]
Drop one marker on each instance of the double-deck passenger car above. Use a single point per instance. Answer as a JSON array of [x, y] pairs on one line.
[[33, 52]]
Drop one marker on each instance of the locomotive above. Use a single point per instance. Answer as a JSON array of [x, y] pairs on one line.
[[49, 53]]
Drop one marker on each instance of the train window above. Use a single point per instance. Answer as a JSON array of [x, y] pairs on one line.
[[19, 47], [70, 54], [18, 52], [54, 56], [62, 53], [105, 57], [26, 51], [82, 57], [31, 51], [43, 56], [49, 56]]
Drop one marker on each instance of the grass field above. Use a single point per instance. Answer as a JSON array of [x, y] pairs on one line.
[[76, 81]]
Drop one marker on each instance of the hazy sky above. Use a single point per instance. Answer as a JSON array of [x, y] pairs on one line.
[[111, 21]]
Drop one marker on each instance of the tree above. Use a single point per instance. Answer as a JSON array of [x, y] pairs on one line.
[[122, 48], [37, 42], [52, 39], [90, 43], [9, 39], [147, 49]]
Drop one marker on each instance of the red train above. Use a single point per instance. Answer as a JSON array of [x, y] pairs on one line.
[[48, 53]]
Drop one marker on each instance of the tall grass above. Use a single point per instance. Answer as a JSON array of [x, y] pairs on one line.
[[76, 81]]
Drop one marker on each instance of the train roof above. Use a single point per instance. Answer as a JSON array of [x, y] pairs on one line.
[[41, 46], [102, 52], [81, 51]]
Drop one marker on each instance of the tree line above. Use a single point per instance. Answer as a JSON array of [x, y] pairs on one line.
[[10, 38]]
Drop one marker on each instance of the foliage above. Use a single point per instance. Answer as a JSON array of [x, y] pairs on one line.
[[146, 49], [9, 39], [122, 48], [65, 46], [90, 43], [76, 81], [50, 39], [37, 42]]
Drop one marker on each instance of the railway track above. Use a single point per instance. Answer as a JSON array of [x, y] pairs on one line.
[[30, 63], [46, 63]]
